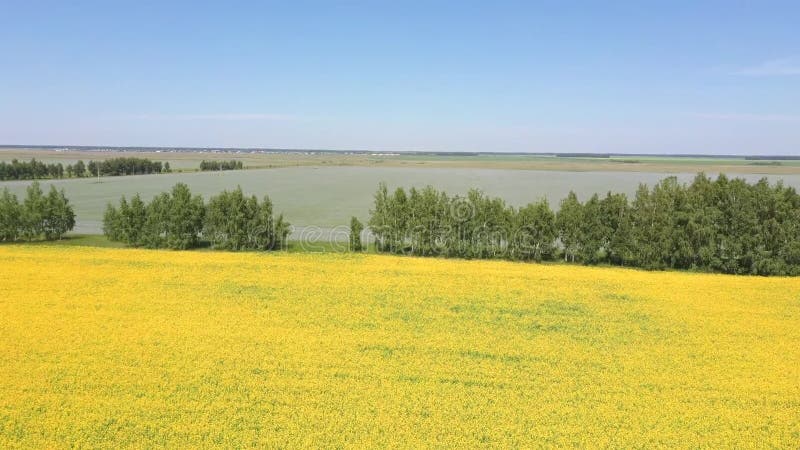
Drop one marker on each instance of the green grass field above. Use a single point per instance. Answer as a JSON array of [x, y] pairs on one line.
[[100, 241]]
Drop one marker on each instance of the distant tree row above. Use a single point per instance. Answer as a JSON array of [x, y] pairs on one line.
[[35, 170], [127, 166], [220, 165], [29, 170], [38, 216], [178, 220], [723, 225]]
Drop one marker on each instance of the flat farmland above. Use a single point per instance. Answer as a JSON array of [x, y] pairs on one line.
[[136, 348], [327, 197], [185, 160]]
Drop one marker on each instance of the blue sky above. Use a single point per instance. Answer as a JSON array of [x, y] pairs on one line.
[[647, 77]]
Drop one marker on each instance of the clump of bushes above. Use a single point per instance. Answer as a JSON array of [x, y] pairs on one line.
[[178, 220], [39, 216]]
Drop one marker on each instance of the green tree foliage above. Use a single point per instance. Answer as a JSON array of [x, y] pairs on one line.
[[178, 220], [59, 217], [723, 225], [134, 219], [379, 220], [185, 215], [30, 170], [37, 170], [569, 222], [282, 231], [356, 227], [125, 166], [157, 222], [80, 169], [39, 216], [10, 216], [112, 221], [536, 232], [593, 232], [34, 207], [428, 222], [615, 216], [93, 168], [236, 222], [425, 236], [220, 165]]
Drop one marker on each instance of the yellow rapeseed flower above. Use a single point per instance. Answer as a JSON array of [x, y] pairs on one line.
[[134, 348]]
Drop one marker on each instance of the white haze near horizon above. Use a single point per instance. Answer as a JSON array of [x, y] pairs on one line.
[[683, 134]]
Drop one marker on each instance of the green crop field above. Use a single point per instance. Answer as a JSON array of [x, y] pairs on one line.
[[327, 196], [190, 160]]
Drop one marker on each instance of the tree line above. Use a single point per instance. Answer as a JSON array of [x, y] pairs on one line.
[[179, 220], [717, 225], [722, 225], [37, 170], [126, 166], [29, 170], [220, 165], [48, 216]]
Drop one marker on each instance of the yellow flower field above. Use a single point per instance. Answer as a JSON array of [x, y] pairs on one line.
[[135, 348]]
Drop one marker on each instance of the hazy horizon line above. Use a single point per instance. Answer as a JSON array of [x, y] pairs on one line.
[[364, 151]]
